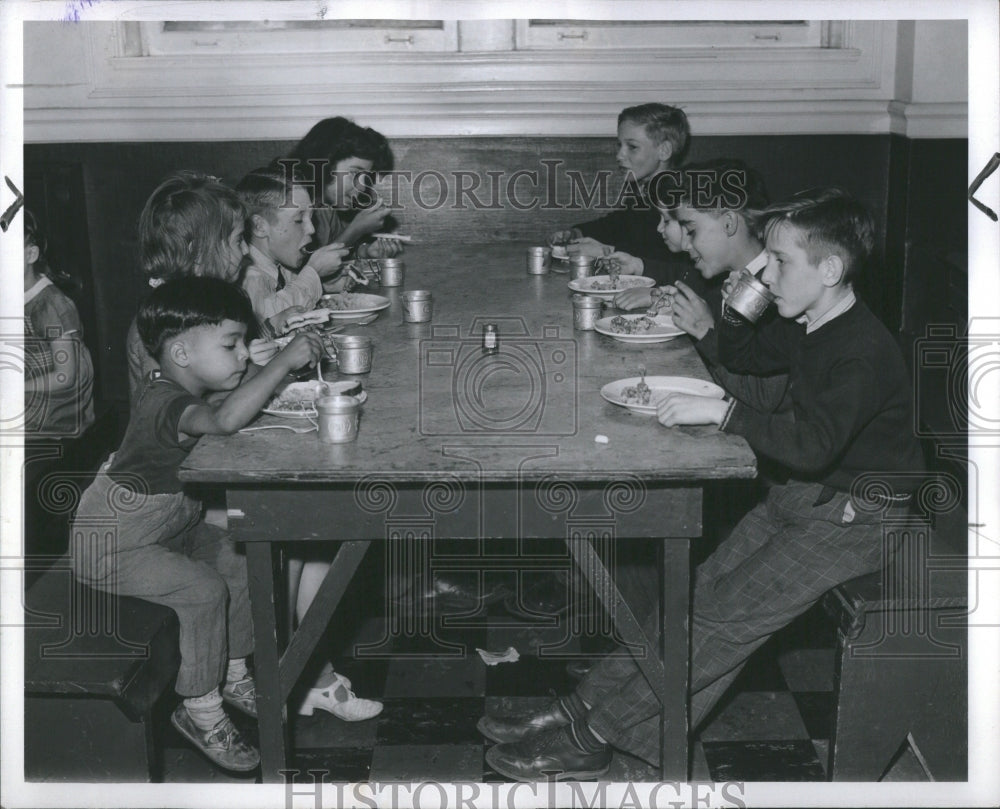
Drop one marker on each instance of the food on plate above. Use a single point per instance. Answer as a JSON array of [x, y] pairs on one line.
[[298, 396], [637, 394], [343, 301], [599, 284], [609, 266], [638, 325], [315, 317]]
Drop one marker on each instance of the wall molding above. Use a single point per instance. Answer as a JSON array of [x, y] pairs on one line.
[[124, 95]]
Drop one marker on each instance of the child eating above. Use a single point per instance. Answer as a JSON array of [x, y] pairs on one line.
[[162, 550]]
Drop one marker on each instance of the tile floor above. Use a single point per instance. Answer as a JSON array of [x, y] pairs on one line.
[[774, 725]]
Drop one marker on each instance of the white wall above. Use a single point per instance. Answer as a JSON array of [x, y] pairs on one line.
[[99, 81]]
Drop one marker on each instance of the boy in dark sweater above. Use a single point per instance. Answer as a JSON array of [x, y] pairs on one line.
[[651, 138], [851, 421]]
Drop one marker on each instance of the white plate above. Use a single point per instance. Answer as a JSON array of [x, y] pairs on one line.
[[586, 285], [659, 385], [305, 408], [663, 330], [356, 303]]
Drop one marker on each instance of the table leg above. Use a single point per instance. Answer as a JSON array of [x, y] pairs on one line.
[[274, 741], [667, 678], [675, 629]]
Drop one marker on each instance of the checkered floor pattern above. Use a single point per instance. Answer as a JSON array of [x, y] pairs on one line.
[[773, 725]]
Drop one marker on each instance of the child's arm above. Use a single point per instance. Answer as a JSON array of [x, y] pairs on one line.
[[303, 289], [240, 406], [763, 349]]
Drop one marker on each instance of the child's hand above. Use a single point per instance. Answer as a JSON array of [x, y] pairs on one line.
[[279, 320], [368, 220], [262, 351], [628, 265], [338, 284], [691, 313], [635, 298], [683, 408], [327, 260], [730, 282], [585, 246], [564, 236], [381, 248], [305, 349]]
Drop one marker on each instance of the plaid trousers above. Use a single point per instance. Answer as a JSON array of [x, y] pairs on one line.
[[779, 559]]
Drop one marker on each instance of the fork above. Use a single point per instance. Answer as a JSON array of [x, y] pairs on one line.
[[300, 430]]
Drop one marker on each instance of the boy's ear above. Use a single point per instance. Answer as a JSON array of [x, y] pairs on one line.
[[259, 226], [177, 352], [31, 253], [831, 270], [665, 151], [730, 222]]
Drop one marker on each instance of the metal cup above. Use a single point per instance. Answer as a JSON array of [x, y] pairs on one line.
[[338, 418], [749, 297], [586, 312], [393, 270], [418, 306], [354, 354], [539, 260], [581, 267]]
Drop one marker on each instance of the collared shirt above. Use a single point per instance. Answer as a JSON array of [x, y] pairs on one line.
[[836, 310], [303, 288], [757, 264]]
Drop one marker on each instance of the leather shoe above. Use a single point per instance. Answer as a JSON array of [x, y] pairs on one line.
[[515, 728], [548, 755]]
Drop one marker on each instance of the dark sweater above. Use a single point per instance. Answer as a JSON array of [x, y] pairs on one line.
[[632, 229], [852, 402]]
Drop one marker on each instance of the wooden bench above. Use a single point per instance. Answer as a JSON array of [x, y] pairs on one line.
[[56, 472], [94, 665], [901, 666]]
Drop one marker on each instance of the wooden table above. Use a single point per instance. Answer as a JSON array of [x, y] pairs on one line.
[[457, 444]]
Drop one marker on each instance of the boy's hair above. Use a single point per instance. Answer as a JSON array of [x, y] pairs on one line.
[[663, 123], [336, 139], [724, 184], [831, 222], [266, 189], [188, 302], [186, 224]]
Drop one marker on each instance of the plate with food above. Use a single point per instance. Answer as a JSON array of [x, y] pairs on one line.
[[639, 328], [297, 400], [640, 394], [602, 286], [346, 305]]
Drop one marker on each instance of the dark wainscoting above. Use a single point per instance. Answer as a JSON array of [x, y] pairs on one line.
[[915, 188]]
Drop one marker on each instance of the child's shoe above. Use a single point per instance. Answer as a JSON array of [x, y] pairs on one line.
[[223, 744], [242, 695], [338, 699]]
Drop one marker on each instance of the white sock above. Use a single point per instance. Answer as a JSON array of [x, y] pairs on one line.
[[205, 711], [237, 670]]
